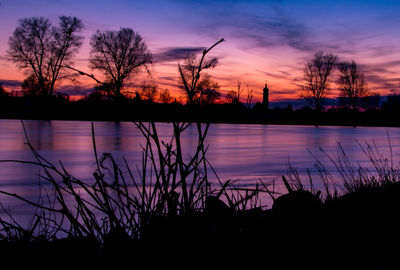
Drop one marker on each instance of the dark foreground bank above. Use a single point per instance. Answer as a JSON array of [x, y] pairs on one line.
[[168, 212], [359, 230]]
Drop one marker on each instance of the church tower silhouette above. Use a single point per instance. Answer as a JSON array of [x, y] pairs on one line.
[[266, 96]]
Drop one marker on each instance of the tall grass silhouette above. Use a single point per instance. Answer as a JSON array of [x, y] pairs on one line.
[[176, 200], [165, 184]]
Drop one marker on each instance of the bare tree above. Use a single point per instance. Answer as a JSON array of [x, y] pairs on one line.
[[118, 55], [190, 73], [2, 91], [371, 101], [249, 97], [316, 75], [103, 91], [352, 84], [231, 96], [31, 85], [165, 96], [208, 90], [234, 96], [149, 92], [43, 50]]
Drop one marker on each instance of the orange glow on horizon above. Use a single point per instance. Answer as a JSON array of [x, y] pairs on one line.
[[167, 77], [280, 67], [264, 40]]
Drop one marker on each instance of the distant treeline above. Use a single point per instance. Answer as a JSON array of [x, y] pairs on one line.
[[136, 109]]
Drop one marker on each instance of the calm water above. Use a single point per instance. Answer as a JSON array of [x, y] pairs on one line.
[[244, 153]]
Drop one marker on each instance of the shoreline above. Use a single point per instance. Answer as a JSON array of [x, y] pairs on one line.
[[277, 123], [356, 230], [59, 108]]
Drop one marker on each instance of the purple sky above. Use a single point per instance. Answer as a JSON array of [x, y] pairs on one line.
[[265, 40]]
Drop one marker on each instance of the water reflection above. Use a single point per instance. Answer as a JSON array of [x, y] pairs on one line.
[[243, 152]]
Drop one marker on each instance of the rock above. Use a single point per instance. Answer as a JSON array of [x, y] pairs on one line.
[[216, 208], [220, 217], [299, 202]]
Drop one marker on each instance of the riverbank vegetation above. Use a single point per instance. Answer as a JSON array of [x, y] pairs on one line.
[[172, 203], [60, 108]]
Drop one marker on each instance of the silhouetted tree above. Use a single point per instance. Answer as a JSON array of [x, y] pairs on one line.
[[249, 97], [234, 96], [118, 55], [352, 84], [371, 102], [31, 86], [316, 75], [208, 90], [43, 50], [103, 91], [231, 96], [259, 108], [165, 96], [149, 92], [392, 103], [210, 96], [2, 91], [190, 73]]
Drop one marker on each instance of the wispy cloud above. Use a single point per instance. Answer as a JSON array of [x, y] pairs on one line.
[[73, 90], [382, 83], [10, 83], [275, 28], [277, 75], [383, 76], [175, 53]]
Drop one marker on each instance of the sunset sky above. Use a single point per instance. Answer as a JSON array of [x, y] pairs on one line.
[[265, 40]]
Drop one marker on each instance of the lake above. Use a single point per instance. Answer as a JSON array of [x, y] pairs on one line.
[[240, 152]]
